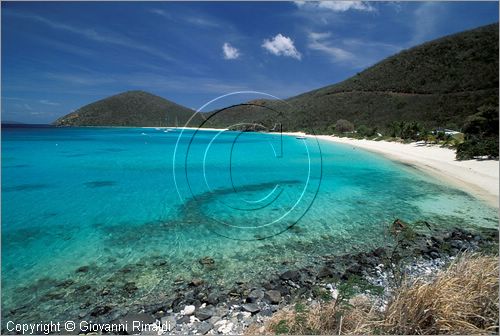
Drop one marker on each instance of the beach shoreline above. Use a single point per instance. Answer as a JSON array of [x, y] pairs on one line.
[[479, 178]]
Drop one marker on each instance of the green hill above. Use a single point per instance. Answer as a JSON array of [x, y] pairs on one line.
[[131, 108], [438, 83]]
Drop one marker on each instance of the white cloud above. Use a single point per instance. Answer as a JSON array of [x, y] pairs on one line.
[[203, 22], [94, 35], [427, 18], [281, 46], [198, 21], [230, 52], [320, 42], [48, 102], [160, 12], [336, 6], [353, 52]]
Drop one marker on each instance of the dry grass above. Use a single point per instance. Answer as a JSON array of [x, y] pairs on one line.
[[463, 299], [324, 319]]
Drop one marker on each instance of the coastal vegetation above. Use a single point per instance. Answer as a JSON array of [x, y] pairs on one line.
[[481, 135], [405, 131], [478, 139], [461, 299]]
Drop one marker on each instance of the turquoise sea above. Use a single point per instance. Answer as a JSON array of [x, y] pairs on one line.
[[120, 216]]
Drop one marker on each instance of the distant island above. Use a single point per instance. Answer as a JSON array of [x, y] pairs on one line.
[[131, 108], [12, 122]]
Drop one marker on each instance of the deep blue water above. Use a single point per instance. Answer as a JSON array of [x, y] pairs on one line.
[[117, 201]]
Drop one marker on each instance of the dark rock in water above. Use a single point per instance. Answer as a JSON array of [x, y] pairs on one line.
[[83, 288], [367, 259], [273, 296], [83, 269], [378, 252], [125, 270], [290, 275], [205, 313], [189, 295], [168, 322], [85, 305], [212, 298], [283, 290], [255, 295], [194, 302], [196, 282], [130, 288], [204, 327], [98, 184], [138, 318], [202, 296], [436, 241], [65, 283], [398, 226], [296, 229], [54, 295], [434, 255], [159, 263], [177, 305], [324, 272], [234, 293], [100, 310], [251, 307], [157, 309], [354, 269], [206, 261], [184, 319], [458, 244], [269, 285]]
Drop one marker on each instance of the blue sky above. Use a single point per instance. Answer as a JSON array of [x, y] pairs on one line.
[[58, 56]]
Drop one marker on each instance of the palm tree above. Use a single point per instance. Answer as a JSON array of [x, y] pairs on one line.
[[394, 129]]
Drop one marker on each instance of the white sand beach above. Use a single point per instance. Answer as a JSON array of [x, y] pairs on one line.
[[477, 177]]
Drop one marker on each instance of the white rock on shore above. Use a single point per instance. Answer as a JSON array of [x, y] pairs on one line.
[[188, 310]]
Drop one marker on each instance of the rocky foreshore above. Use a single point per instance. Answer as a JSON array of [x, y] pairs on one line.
[[200, 308]]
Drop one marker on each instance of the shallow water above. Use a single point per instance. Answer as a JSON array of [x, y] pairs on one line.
[[140, 207]]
